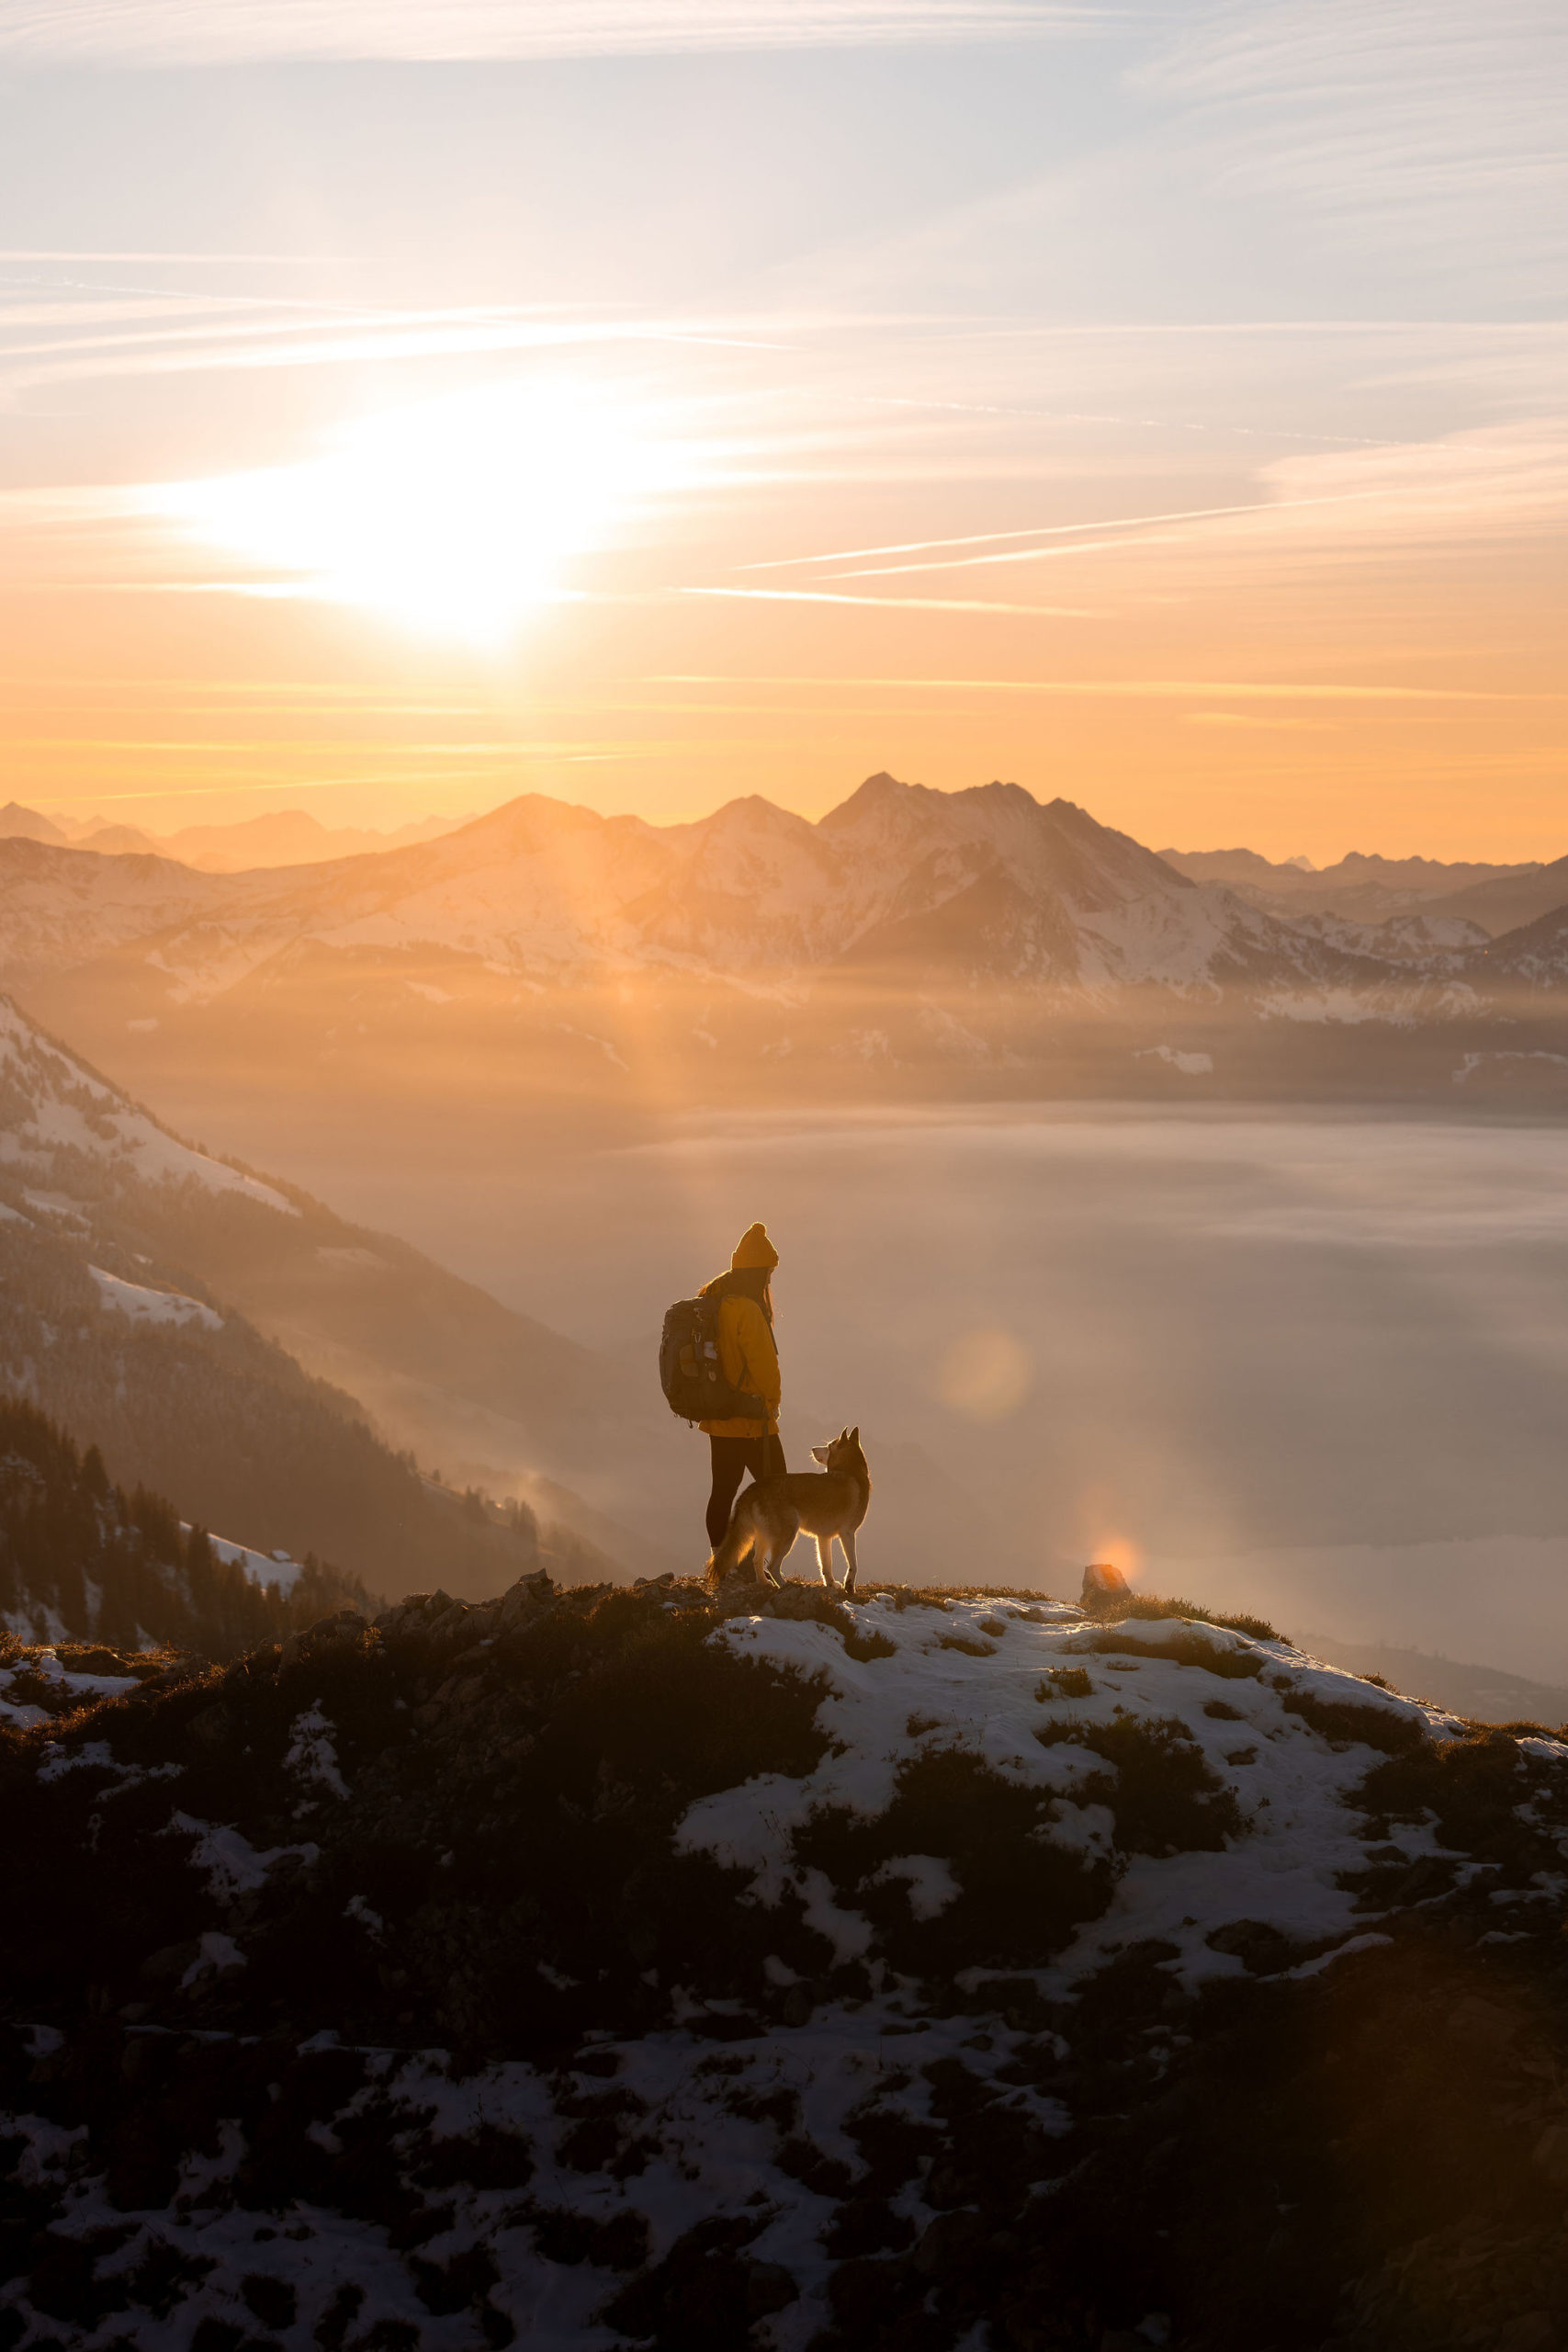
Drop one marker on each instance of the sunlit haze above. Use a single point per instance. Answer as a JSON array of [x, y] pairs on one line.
[[403, 412], [458, 518]]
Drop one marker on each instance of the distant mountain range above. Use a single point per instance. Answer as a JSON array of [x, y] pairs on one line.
[[1374, 890], [281, 837], [911, 939]]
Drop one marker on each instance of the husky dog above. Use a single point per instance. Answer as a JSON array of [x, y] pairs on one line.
[[769, 1515]]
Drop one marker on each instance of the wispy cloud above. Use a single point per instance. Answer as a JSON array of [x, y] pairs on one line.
[[160, 254], [1432, 123], [169, 335], [983, 538], [1141, 689], [895, 603], [160, 31]]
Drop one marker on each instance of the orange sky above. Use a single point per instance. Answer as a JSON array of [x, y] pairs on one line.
[[1076, 457]]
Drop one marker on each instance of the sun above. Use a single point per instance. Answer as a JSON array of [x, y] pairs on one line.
[[457, 516]]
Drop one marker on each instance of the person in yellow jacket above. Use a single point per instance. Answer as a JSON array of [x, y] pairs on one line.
[[750, 1362]]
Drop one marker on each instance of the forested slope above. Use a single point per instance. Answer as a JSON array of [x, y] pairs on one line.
[[82, 1561]]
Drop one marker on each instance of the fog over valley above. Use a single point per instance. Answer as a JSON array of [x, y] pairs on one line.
[[1313, 1358]]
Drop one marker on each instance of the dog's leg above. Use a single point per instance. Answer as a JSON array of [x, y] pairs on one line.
[[765, 1559], [825, 1560], [848, 1540], [781, 1536]]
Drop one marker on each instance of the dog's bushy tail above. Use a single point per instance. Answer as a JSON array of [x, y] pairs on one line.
[[740, 1539]]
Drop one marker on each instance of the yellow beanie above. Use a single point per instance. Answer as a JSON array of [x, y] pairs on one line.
[[754, 1249]]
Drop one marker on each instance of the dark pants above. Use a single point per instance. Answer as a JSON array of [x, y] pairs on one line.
[[732, 1457]]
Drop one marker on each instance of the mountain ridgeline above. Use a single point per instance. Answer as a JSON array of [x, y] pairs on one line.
[[114, 1239], [910, 941]]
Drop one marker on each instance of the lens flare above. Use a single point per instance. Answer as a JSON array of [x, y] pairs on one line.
[[986, 1374]]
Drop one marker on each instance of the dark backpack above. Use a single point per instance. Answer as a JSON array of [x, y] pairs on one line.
[[689, 1370]]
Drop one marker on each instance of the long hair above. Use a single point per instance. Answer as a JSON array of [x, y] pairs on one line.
[[743, 1281]]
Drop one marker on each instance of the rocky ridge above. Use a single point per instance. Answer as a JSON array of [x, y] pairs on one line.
[[643, 1967]]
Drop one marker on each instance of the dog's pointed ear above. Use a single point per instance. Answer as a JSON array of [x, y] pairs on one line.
[[842, 1435], [854, 1434]]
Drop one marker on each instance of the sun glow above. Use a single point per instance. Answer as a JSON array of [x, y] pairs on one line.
[[458, 516]]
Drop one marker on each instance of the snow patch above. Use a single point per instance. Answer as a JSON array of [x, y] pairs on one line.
[[1191, 1065], [144, 1306], [261, 1567], [230, 1862], [312, 1754], [216, 1953], [928, 1878]]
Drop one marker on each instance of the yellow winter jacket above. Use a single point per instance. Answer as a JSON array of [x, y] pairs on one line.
[[750, 1362]]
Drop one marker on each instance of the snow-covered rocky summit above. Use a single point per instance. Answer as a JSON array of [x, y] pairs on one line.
[[1257, 1842], [615, 1968], [978, 937], [983, 884]]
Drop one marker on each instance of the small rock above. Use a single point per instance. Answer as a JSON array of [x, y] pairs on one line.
[[1101, 1581]]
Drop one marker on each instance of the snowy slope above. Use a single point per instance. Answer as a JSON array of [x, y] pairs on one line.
[[140, 1304], [51, 1103], [62, 905], [138, 1275], [956, 1966], [1289, 1785]]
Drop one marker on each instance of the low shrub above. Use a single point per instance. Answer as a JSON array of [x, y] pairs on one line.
[[1021, 1896], [1164, 1797], [1343, 1722], [1185, 1649], [1150, 1604]]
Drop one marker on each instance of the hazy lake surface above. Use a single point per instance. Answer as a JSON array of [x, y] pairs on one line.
[[1316, 1367]]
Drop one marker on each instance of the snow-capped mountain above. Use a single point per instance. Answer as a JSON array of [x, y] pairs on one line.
[[1534, 958], [986, 884], [951, 940]]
